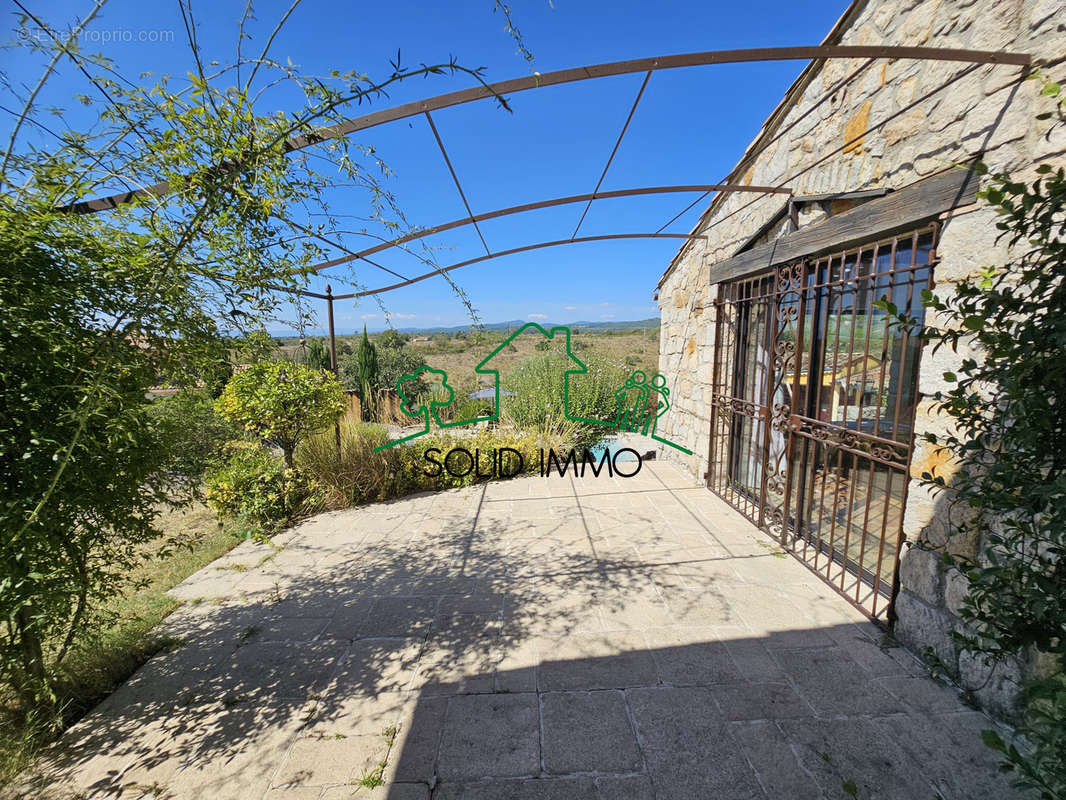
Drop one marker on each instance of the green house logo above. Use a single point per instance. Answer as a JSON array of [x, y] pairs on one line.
[[641, 402]]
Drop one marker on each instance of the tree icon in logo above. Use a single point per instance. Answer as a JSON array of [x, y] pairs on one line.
[[406, 384]]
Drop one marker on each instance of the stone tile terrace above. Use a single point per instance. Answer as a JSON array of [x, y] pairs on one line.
[[578, 639]]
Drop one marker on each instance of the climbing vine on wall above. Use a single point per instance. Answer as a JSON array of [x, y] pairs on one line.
[[1007, 403]]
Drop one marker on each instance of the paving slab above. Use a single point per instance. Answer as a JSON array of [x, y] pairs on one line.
[[588, 732], [535, 789], [687, 745], [534, 639], [610, 660], [630, 787], [490, 736]]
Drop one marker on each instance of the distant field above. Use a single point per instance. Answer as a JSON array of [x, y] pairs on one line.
[[458, 355], [640, 347]]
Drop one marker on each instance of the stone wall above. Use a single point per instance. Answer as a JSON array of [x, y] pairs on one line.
[[989, 111]]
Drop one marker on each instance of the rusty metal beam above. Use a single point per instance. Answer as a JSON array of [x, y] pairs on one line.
[[559, 201], [514, 251], [707, 58], [601, 71], [751, 155], [705, 223]]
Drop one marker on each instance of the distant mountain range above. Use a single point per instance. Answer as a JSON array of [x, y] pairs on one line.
[[612, 325]]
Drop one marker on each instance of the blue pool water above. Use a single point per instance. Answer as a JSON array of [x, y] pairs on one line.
[[613, 444]]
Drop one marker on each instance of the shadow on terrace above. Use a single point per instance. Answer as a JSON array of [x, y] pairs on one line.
[[529, 639]]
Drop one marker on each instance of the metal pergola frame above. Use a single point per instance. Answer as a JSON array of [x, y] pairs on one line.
[[974, 58]]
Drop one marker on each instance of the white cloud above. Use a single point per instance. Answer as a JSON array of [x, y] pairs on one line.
[[569, 308], [368, 316], [404, 316], [537, 316], [606, 316], [604, 304]]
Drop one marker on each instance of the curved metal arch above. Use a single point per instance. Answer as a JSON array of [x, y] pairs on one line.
[[575, 74], [558, 201], [514, 251]]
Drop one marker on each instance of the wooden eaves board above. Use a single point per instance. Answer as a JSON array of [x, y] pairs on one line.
[[905, 208]]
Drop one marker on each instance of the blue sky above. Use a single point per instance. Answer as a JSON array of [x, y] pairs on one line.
[[690, 128]]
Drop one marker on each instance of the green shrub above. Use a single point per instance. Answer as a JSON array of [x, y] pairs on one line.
[[317, 355], [459, 407], [195, 433], [537, 399], [412, 465], [1007, 438], [253, 485], [393, 364], [359, 475], [282, 402], [355, 474], [391, 339]]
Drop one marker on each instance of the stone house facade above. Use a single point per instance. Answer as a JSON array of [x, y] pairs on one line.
[[875, 153]]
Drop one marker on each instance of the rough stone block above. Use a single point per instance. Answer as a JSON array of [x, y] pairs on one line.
[[968, 242], [920, 573], [956, 587], [854, 127], [996, 686], [919, 626]]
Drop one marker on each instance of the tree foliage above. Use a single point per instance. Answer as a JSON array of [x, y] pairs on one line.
[[255, 347], [1007, 405], [366, 374], [282, 403], [317, 355], [194, 431], [81, 459], [391, 339], [97, 307], [394, 362]]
